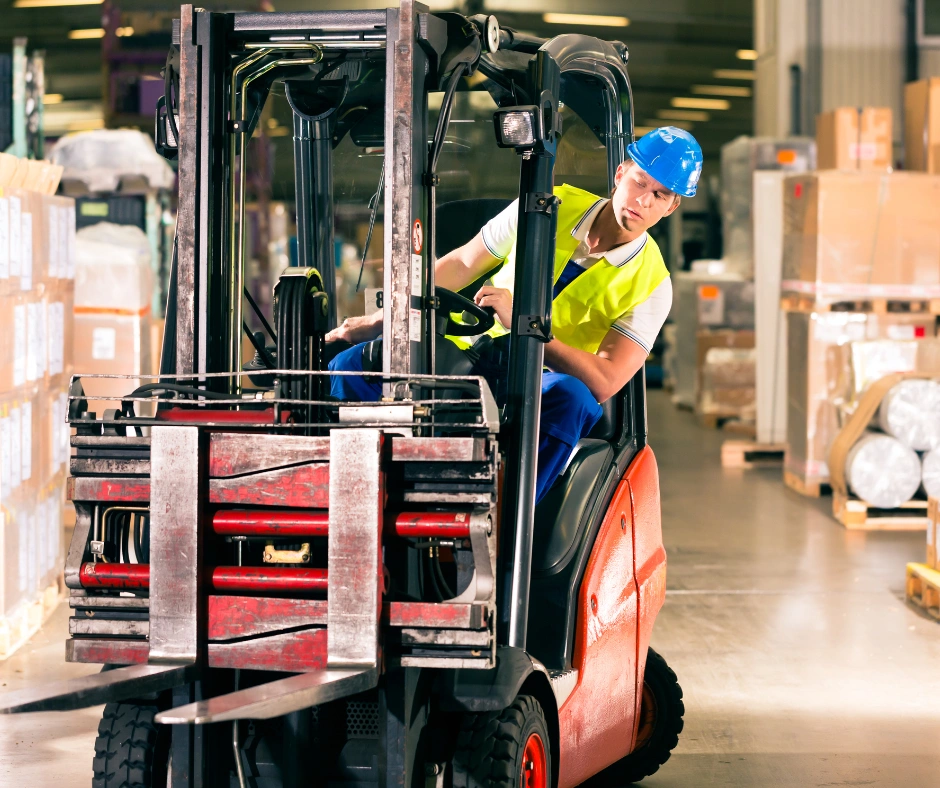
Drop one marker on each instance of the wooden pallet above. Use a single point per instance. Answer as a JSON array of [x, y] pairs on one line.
[[25, 620], [749, 454], [726, 420], [923, 588], [811, 488], [801, 302], [858, 515]]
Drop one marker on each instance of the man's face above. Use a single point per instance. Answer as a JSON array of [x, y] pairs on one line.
[[639, 201]]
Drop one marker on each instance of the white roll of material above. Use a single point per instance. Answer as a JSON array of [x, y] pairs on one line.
[[931, 473], [910, 412], [882, 471]]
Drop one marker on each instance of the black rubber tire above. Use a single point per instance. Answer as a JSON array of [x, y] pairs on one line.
[[131, 750], [641, 763], [490, 745]]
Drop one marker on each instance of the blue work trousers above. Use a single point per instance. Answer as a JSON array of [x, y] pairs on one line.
[[569, 411]]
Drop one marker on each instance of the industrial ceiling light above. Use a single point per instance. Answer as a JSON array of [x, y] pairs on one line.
[[700, 103], [739, 91], [682, 124], [124, 32], [682, 114], [89, 32], [52, 98], [746, 54], [734, 73], [51, 3], [589, 20]]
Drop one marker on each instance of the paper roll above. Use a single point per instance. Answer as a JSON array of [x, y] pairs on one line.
[[882, 471], [931, 473], [911, 413]]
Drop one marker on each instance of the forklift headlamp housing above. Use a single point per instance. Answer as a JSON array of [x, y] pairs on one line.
[[518, 127]]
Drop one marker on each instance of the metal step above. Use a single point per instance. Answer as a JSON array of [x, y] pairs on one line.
[[105, 687], [275, 698]]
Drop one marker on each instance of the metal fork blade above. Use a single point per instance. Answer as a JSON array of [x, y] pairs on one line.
[[106, 687], [275, 698]]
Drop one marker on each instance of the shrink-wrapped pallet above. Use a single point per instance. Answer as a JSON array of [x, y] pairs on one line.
[[882, 471], [930, 472]]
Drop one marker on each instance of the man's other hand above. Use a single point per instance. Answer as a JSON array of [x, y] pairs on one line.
[[356, 329], [499, 299]]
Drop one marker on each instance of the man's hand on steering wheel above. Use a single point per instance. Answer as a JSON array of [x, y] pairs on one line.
[[499, 300]]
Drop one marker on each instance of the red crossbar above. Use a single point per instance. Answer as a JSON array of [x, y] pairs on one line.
[[248, 522], [273, 579]]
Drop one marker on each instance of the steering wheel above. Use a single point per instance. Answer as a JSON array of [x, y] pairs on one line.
[[452, 303]]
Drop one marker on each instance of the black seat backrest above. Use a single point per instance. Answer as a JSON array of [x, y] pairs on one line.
[[460, 220], [612, 425]]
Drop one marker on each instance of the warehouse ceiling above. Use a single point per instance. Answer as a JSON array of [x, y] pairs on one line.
[[687, 66]]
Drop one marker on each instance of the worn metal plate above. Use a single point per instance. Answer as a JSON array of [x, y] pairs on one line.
[[436, 615], [97, 688], [105, 627], [232, 454], [303, 486], [287, 651], [105, 489], [107, 651], [233, 617], [355, 547], [275, 698], [439, 449], [174, 544]]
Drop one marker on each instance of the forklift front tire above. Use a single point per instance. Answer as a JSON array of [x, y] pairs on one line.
[[504, 749], [131, 750], [658, 732]]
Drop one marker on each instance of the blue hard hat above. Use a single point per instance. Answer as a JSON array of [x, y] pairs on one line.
[[670, 155]]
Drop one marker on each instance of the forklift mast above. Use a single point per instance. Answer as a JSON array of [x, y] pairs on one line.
[[247, 547]]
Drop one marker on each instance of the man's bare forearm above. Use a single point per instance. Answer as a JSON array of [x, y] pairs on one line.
[[603, 376]]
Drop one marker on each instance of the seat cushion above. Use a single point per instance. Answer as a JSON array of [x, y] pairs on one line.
[[558, 516]]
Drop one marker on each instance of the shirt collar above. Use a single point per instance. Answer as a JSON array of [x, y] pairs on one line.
[[619, 255]]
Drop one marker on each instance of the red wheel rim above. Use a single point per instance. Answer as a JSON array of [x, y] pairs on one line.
[[647, 722], [534, 763]]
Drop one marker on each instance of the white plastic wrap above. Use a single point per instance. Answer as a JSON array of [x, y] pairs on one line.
[[101, 158], [882, 471], [931, 473], [112, 267], [911, 413]]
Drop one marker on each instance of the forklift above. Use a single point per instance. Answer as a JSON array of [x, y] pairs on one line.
[[285, 589]]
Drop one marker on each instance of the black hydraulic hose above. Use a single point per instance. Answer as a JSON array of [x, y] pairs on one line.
[[147, 388], [374, 209], [257, 311], [170, 104], [443, 120]]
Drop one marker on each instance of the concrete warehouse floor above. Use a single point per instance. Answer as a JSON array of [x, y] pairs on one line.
[[801, 663]]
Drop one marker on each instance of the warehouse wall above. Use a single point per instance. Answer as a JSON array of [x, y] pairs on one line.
[[851, 53]]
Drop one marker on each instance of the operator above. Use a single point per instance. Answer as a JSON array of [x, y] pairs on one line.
[[611, 296]]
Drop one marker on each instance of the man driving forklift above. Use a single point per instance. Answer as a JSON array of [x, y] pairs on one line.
[[611, 294]]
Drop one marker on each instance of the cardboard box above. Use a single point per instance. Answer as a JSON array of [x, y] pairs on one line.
[[862, 234], [110, 344], [922, 126], [854, 138], [707, 340], [820, 377]]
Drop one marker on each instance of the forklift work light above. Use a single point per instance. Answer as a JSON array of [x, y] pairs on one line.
[[518, 127]]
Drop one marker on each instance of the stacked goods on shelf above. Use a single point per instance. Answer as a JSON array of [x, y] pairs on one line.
[[728, 384], [37, 233], [740, 159], [113, 290], [713, 309], [922, 126], [861, 237], [854, 138], [878, 455], [820, 378]]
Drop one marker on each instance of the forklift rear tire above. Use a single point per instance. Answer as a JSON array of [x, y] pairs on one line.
[[658, 731], [131, 750], [505, 749]]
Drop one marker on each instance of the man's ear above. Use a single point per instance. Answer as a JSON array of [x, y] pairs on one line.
[[621, 171], [675, 204]]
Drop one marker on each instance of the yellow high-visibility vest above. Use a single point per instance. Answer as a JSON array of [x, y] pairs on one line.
[[585, 310]]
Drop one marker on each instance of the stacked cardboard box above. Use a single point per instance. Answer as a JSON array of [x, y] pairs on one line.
[[854, 138], [37, 232]]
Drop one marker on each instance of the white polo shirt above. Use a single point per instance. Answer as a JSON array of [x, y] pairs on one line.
[[642, 324]]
